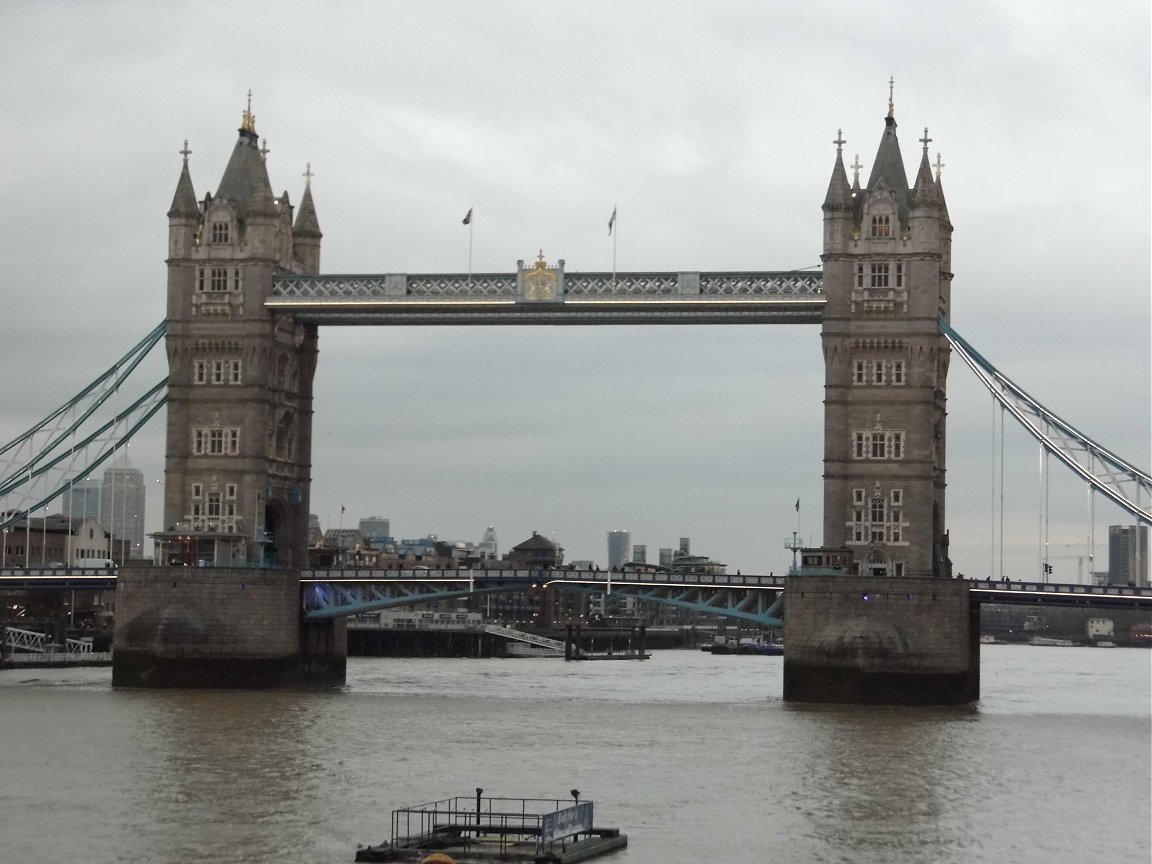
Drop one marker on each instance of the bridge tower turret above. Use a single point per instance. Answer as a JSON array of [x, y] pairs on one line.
[[238, 462], [887, 260]]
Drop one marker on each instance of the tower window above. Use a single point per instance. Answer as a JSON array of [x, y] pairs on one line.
[[199, 372], [879, 276], [878, 372], [859, 275], [219, 232], [898, 372], [899, 275], [219, 279], [860, 372], [881, 226]]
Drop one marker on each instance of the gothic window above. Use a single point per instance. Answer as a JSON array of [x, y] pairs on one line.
[[897, 497], [199, 278], [199, 372], [881, 226], [878, 516], [859, 275], [898, 372], [860, 373], [857, 496], [236, 283], [234, 376], [217, 371], [878, 444], [219, 279], [216, 441], [230, 490], [219, 232], [879, 274], [197, 491], [878, 372], [213, 505], [899, 275]]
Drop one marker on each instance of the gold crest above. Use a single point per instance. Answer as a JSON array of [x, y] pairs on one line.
[[541, 282]]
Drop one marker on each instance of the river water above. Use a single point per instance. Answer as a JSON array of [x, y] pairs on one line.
[[695, 757]]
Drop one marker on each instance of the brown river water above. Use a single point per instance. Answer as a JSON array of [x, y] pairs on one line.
[[695, 757]]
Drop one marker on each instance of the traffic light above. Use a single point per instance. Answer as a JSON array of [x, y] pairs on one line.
[[1047, 568]]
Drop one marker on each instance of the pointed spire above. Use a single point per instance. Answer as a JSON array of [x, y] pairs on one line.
[[184, 201], [924, 192], [246, 176], [889, 164], [307, 225], [839, 195]]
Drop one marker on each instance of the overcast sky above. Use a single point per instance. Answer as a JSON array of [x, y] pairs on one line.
[[710, 127]]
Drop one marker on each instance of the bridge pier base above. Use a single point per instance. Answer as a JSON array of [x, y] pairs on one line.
[[221, 628], [881, 641]]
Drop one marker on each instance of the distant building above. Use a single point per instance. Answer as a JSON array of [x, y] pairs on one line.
[[488, 548], [81, 500], [639, 554], [122, 506], [666, 556], [56, 540], [1128, 555], [536, 551], [375, 528], [619, 544]]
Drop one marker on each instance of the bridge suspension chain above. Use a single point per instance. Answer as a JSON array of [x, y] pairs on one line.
[[1117, 479], [42, 463]]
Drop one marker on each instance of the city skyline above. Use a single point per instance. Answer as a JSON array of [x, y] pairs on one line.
[[708, 432]]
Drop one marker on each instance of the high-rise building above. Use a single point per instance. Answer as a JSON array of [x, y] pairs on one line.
[[375, 528], [122, 507], [1128, 555], [487, 547], [640, 553], [81, 500], [619, 545], [685, 546]]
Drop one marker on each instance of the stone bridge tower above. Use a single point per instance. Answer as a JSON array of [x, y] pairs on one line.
[[887, 263], [240, 379]]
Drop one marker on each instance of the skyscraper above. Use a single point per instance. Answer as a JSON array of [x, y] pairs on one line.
[[1128, 555], [619, 547], [81, 500], [487, 547], [122, 507]]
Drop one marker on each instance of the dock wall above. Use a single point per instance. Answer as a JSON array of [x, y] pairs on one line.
[[221, 628], [876, 640]]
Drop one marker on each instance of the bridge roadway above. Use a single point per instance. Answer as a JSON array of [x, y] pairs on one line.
[[333, 593]]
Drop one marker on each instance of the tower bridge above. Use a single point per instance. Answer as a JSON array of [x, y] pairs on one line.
[[246, 301]]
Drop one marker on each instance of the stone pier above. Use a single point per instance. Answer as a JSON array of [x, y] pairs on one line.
[[877, 640], [221, 628]]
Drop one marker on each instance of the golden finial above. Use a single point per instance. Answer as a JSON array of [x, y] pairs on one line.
[[248, 124]]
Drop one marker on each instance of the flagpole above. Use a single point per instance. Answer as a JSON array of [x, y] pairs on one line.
[[468, 222], [612, 231]]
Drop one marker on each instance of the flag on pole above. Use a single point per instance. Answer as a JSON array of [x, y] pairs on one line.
[[797, 505], [468, 217], [611, 221]]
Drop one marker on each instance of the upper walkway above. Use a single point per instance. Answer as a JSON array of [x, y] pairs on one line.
[[548, 295]]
